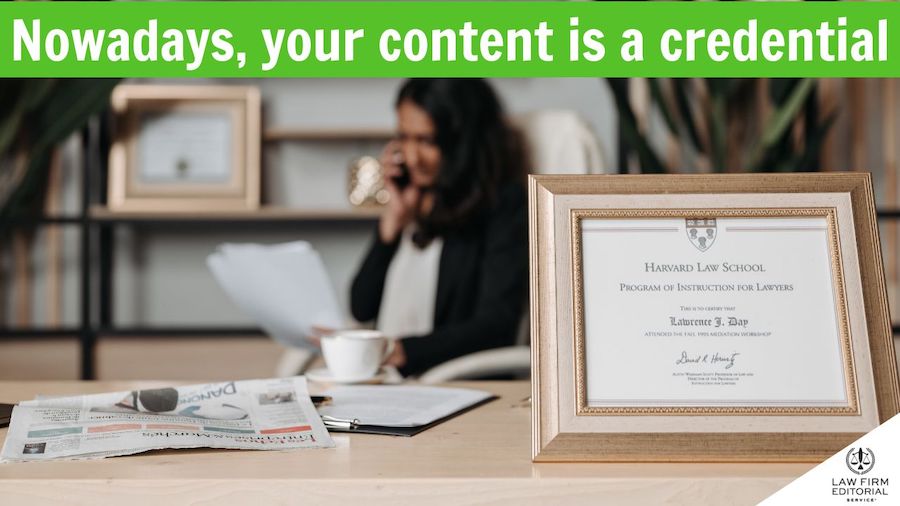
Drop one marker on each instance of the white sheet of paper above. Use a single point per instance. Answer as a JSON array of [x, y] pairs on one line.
[[284, 287], [747, 317], [398, 406]]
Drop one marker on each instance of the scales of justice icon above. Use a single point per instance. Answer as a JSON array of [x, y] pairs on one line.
[[860, 460]]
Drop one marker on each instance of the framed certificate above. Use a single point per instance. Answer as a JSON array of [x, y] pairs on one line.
[[707, 318], [185, 148]]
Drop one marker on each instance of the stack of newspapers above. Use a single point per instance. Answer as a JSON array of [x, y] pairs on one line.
[[271, 414], [284, 287]]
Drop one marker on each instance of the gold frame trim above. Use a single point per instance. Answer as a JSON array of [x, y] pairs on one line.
[[837, 278]]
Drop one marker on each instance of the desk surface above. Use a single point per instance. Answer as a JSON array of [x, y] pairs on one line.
[[479, 457]]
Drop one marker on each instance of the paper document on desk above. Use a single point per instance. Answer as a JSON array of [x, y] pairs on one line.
[[284, 287], [382, 407], [273, 414]]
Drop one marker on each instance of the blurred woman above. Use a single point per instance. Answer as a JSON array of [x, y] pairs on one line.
[[447, 271]]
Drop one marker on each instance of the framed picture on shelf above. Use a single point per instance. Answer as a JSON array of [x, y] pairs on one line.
[[707, 317], [185, 148]]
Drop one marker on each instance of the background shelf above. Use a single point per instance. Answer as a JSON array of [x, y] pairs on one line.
[[102, 214], [343, 134]]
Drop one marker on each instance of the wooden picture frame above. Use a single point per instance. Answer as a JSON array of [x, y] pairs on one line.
[[184, 148], [624, 370]]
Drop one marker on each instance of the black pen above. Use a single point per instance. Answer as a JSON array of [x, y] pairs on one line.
[[320, 400]]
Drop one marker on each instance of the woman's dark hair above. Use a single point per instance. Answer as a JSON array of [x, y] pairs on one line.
[[480, 151]]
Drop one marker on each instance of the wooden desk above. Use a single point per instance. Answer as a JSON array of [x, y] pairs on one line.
[[480, 457]]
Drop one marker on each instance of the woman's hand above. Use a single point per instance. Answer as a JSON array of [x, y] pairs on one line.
[[316, 334], [404, 203], [397, 357]]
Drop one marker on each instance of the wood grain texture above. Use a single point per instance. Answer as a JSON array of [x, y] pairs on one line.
[[38, 359], [593, 491], [186, 358], [480, 457]]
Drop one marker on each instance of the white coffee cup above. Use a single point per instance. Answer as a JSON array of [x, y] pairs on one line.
[[355, 355]]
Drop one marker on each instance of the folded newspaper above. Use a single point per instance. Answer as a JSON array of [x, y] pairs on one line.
[[284, 287], [270, 414]]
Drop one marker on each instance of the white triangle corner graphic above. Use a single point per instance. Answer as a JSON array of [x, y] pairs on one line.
[[865, 472]]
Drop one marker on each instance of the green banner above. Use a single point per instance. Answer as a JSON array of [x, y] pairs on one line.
[[409, 39]]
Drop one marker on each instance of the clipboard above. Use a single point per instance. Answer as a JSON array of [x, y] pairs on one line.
[[353, 426], [6, 414]]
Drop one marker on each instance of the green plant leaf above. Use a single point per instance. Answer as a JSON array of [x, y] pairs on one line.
[[69, 106], [650, 163], [58, 110], [9, 127], [661, 104], [36, 92], [27, 98], [806, 160], [781, 120], [11, 106], [684, 110]]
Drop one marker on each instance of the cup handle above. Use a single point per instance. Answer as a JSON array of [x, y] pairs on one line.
[[388, 349]]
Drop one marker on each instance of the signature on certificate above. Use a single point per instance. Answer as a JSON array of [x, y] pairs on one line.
[[715, 358]]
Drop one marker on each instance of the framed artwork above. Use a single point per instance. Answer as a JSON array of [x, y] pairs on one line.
[[185, 148], [707, 317]]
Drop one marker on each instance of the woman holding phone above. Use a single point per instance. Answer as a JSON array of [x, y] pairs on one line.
[[447, 271]]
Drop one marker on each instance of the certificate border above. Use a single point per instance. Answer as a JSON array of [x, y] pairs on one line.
[[839, 293]]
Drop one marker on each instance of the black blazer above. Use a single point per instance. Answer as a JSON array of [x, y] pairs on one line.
[[482, 284]]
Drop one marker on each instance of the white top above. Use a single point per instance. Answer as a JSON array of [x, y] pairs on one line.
[[410, 288]]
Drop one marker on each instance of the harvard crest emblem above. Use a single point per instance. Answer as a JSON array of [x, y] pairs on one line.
[[701, 232]]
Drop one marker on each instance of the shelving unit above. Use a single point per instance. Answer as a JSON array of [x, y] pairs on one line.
[[278, 134], [107, 221], [97, 225], [265, 214], [101, 224]]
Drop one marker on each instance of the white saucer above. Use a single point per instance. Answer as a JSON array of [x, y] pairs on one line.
[[323, 375]]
